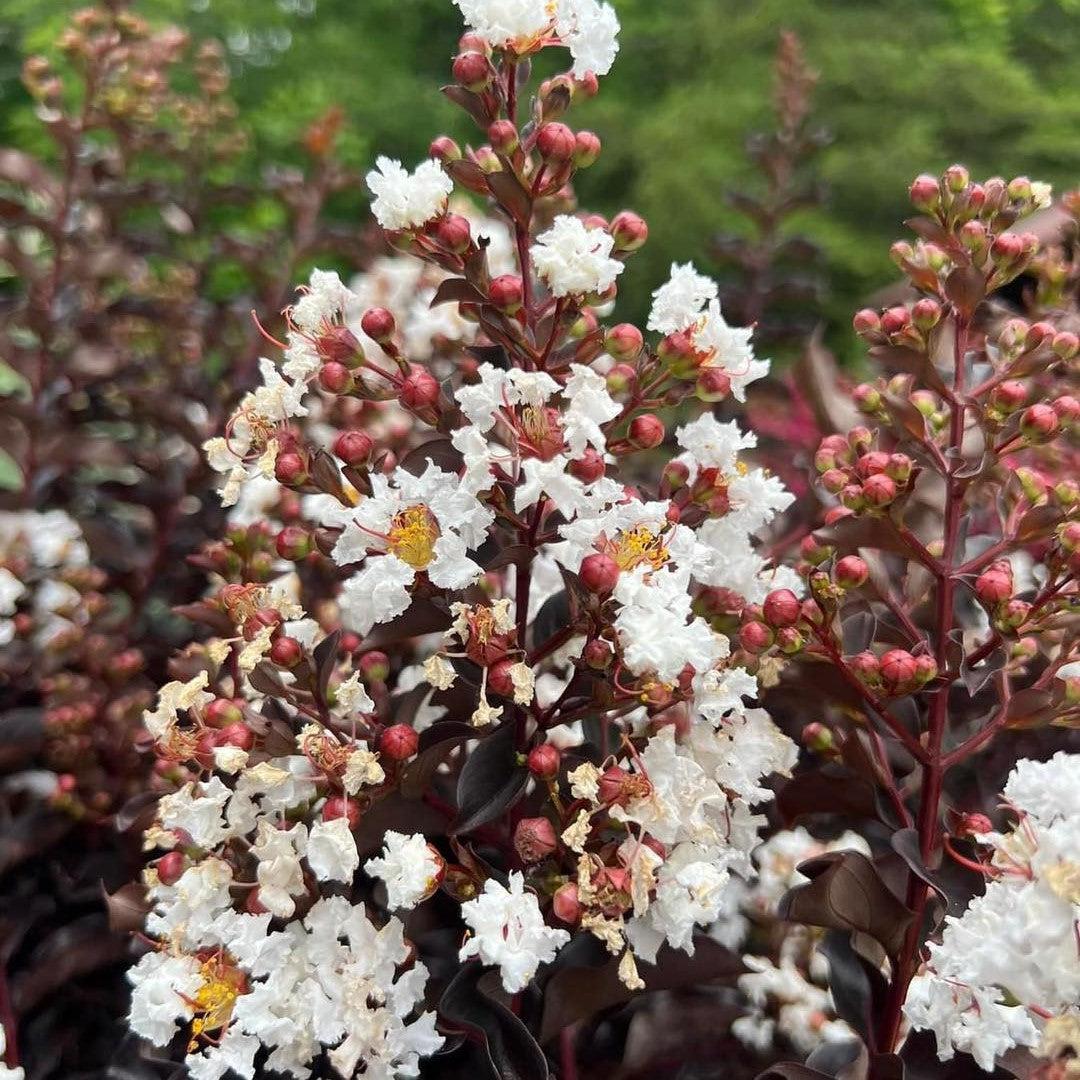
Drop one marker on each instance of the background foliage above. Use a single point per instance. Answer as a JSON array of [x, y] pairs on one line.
[[903, 87]]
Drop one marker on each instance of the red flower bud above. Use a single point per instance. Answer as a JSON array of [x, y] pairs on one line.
[[443, 149], [170, 867], [898, 468], [781, 608], [339, 343], [874, 461], [789, 640], [338, 806], [834, 481], [1007, 248], [995, 583], [473, 70], [506, 293], [926, 669], [534, 839], [335, 378], [419, 391], [712, 384], [544, 760], [866, 321], [353, 447], [566, 905], [597, 654], [378, 324], [618, 787], [599, 573], [1039, 423], [755, 637], [623, 342], [586, 149], [879, 490], [629, 231], [498, 677], [972, 824], [1065, 345], [221, 712], [925, 192], [1068, 408], [555, 142], [620, 378], [290, 470], [398, 742], [895, 319], [851, 572], [294, 543], [646, 431], [866, 667], [898, 670], [286, 652], [817, 737], [503, 136], [926, 313], [454, 233], [588, 468]]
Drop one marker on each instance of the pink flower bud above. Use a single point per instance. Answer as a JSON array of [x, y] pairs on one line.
[[898, 468], [339, 343], [972, 824], [895, 319], [221, 712], [170, 867], [290, 470], [238, 735], [755, 637], [1012, 614], [374, 665], [898, 670], [1007, 248], [623, 342], [506, 293], [420, 390], [851, 572], [618, 787], [335, 378], [353, 447], [597, 654], [925, 192], [599, 573], [1009, 395], [544, 761], [995, 583], [473, 70], [867, 398], [879, 490], [781, 608], [1039, 423], [675, 475], [286, 652], [873, 461], [834, 481], [789, 640], [338, 806], [926, 669], [1068, 409], [620, 378], [503, 136], [1065, 345], [629, 231], [817, 737], [646, 431], [586, 149], [566, 905], [588, 468], [712, 384], [555, 142], [378, 324], [860, 439], [294, 543], [1069, 536], [399, 742], [866, 667], [444, 149], [534, 839], [956, 178], [454, 233], [926, 313], [499, 679], [866, 321]]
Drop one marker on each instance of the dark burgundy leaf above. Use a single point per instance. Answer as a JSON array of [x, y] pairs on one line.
[[828, 790], [512, 1053], [966, 288], [423, 617], [472, 103], [21, 737], [858, 631], [436, 744], [508, 191], [1038, 523], [845, 892], [439, 452], [139, 809], [325, 656], [857, 986], [266, 680], [457, 291], [127, 908], [491, 780]]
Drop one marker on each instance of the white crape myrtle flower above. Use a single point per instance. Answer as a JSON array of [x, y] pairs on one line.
[[728, 349], [174, 698], [680, 301], [11, 589], [588, 28], [196, 809], [508, 931], [405, 200], [161, 988], [279, 873], [408, 524], [574, 260], [407, 867], [331, 850], [590, 405], [1017, 942]]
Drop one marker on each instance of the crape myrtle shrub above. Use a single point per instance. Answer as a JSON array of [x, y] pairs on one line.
[[474, 761], [131, 259]]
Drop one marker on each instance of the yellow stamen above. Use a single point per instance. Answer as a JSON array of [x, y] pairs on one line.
[[412, 536], [639, 547]]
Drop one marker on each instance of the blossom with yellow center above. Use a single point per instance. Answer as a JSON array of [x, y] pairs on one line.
[[636, 547], [412, 536], [216, 998]]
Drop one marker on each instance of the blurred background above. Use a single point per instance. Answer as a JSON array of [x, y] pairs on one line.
[[903, 87]]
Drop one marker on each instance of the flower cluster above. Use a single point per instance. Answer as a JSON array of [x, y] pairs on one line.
[[476, 657], [1006, 970]]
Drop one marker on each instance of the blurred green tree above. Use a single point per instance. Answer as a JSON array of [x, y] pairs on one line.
[[905, 87]]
